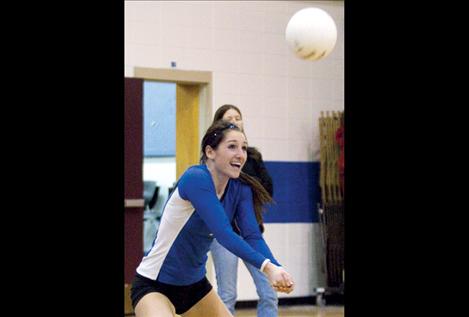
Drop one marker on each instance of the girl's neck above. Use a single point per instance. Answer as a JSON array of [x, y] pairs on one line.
[[219, 180]]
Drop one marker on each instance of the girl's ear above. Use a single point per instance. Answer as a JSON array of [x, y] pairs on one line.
[[209, 152]]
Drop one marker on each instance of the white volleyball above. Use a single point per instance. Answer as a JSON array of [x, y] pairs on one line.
[[311, 33]]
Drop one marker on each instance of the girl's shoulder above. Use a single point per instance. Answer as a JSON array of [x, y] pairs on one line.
[[193, 179], [195, 173], [196, 170]]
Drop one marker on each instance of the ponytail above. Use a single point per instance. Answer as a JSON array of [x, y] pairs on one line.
[[260, 196]]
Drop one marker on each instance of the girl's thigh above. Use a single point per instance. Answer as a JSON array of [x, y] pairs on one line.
[[154, 305], [210, 305]]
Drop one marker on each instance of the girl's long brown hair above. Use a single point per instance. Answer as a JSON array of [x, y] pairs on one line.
[[259, 195]]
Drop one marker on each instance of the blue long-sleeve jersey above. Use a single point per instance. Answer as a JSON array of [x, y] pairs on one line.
[[192, 217]]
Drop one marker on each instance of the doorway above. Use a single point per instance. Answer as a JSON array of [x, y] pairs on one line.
[[193, 116], [159, 153], [176, 111]]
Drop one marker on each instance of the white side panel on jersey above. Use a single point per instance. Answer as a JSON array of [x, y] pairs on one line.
[[176, 213]]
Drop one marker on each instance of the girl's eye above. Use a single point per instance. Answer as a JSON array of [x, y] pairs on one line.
[[231, 146], [245, 148]]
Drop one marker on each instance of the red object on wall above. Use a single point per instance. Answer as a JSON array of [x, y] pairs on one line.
[[133, 174], [340, 138]]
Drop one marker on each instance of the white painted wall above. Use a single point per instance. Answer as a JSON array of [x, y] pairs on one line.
[[243, 44], [298, 248]]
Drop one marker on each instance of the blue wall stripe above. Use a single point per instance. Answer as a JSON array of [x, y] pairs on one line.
[[296, 192]]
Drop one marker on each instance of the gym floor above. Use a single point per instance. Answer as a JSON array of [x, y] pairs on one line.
[[299, 311], [294, 311]]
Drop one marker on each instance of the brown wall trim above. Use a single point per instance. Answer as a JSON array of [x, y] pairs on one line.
[[174, 75]]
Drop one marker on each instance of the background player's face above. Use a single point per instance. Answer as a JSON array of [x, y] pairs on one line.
[[234, 117], [230, 155]]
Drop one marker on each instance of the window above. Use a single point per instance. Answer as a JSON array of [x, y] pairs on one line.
[[159, 119]]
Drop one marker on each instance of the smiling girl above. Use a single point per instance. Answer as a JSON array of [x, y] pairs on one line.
[[208, 197]]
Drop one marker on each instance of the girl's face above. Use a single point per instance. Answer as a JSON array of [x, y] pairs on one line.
[[230, 155], [234, 117]]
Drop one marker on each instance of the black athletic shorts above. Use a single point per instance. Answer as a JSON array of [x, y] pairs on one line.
[[182, 297]]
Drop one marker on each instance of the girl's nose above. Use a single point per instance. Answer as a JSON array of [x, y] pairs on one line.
[[241, 154]]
